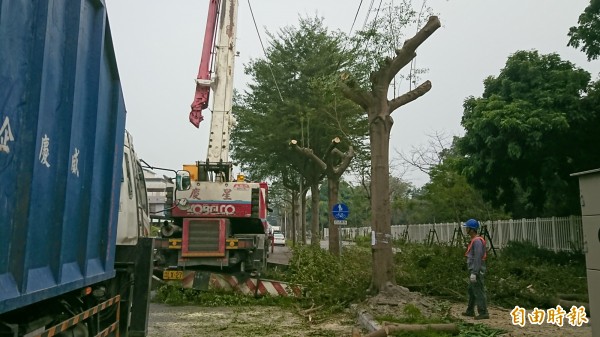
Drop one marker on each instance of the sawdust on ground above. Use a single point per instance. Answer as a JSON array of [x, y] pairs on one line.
[[392, 302], [193, 321]]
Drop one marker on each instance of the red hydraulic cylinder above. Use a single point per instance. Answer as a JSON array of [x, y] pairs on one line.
[[203, 79]]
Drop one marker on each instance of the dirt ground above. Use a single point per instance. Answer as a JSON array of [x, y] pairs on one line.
[[391, 304], [500, 318], [194, 321]]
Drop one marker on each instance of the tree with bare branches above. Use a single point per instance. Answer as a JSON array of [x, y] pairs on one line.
[[426, 157], [379, 109]]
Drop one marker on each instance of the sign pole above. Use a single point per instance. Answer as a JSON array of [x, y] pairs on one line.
[[340, 213]]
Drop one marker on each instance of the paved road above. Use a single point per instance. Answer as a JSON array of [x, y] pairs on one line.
[[282, 254]]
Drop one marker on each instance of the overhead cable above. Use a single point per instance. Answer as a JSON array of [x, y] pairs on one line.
[[355, 16], [264, 51]]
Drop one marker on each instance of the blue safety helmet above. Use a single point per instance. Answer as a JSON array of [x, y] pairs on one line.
[[472, 223]]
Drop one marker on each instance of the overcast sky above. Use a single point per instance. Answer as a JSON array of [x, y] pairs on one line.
[[158, 45]]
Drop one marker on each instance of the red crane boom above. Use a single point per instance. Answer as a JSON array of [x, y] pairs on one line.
[[203, 79]]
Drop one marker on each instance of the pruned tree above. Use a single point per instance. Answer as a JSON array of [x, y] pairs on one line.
[[337, 163], [333, 165], [379, 109]]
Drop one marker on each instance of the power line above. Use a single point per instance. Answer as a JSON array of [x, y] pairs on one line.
[[264, 51], [368, 13], [355, 16], [377, 13]]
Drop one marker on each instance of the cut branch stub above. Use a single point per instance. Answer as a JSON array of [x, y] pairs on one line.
[[308, 153], [409, 96], [334, 142], [338, 170]]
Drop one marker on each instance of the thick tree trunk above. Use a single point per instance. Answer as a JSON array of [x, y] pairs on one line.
[[303, 215], [334, 233], [314, 206], [383, 264]]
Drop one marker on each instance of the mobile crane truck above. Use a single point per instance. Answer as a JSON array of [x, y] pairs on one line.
[[75, 257], [217, 222]]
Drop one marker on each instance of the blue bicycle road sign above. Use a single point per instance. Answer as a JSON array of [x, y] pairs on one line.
[[340, 211]]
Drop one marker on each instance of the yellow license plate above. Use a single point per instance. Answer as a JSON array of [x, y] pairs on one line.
[[172, 275]]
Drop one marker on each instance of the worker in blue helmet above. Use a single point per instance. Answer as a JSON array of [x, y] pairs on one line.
[[476, 255]]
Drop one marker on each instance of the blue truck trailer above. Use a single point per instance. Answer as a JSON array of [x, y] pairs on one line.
[[75, 257]]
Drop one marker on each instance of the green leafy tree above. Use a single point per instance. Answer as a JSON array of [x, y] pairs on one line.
[[452, 199], [524, 135], [417, 210], [294, 97], [587, 33], [399, 198]]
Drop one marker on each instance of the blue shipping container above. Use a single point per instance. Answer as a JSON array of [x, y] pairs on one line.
[[62, 124]]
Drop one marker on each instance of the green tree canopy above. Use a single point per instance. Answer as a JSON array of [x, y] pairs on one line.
[[293, 96], [526, 134], [450, 196], [587, 33]]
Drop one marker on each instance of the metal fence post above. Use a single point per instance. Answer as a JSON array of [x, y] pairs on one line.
[[537, 230], [554, 234], [502, 230], [572, 232]]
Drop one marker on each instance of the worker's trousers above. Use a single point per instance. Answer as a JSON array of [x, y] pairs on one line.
[[477, 296]]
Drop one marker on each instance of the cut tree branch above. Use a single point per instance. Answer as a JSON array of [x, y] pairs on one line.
[[309, 154], [334, 143], [409, 96], [407, 53], [338, 153], [357, 95], [346, 158]]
